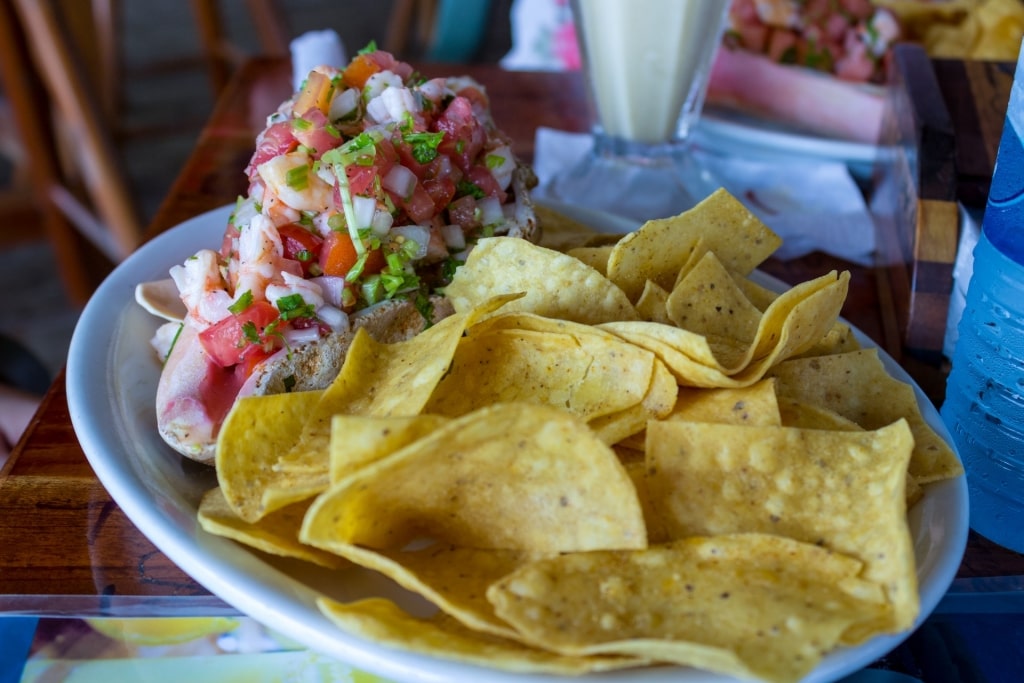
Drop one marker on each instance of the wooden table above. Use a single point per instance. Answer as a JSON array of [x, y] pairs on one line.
[[63, 541]]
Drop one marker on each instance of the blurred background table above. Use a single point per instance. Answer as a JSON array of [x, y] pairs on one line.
[[68, 548]]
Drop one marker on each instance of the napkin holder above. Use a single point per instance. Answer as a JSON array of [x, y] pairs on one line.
[[915, 208]]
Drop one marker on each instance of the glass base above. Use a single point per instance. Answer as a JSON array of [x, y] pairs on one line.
[[635, 180]]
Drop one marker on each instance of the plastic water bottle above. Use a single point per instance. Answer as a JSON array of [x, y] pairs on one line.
[[984, 405]]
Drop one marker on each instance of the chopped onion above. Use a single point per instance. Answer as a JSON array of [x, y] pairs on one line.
[[295, 337], [343, 104], [399, 180], [335, 318], [364, 208], [502, 171], [332, 287], [490, 211], [326, 174], [377, 110], [380, 81], [415, 233], [382, 222], [453, 236]]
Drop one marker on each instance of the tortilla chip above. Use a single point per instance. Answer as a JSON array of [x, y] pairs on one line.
[[381, 621], [358, 440], [659, 250], [857, 386], [708, 301], [276, 533], [254, 433], [752, 606], [555, 285], [508, 476], [844, 491], [453, 578], [528, 358]]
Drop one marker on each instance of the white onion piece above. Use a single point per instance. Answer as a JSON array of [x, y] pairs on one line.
[[364, 208], [379, 82], [326, 174], [382, 222], [335, 318], [295, 337], [415, 233], [502, 172], [399, 180], [454, 237], [490, 211], [343, 104], [332, 286]]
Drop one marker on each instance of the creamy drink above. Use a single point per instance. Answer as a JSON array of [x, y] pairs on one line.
[[648, 63]]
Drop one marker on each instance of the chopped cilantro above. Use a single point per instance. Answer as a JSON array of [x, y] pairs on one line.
[[370, 47], [448, 268], [294, 306], [465, 187], [424, 145], [250, 333], [425, 306], [243, 302]]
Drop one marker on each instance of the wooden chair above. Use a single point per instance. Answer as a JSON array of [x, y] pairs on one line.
[[60, 73], [84, 202]]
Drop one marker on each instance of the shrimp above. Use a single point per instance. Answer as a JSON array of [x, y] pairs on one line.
[[290, 180], [310, 292], [260, 254], [202, 288]]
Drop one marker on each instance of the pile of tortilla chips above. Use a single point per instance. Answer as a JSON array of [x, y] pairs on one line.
[[962, 29], [616, 455]]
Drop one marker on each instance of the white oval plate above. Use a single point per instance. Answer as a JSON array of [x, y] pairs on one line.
[[112, 376]]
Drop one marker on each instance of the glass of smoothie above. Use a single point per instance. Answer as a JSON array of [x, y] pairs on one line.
[[646, 63]]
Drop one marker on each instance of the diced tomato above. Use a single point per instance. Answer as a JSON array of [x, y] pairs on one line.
[[419, 205], [300, 245], [226, 341], [360, 178], [404, 151], [464, 135], [251, 356], [338, 255], [484, 179], [316, 132], [276, 140], [475, 96], [359, 71], [441, 190], [463, 212], [386, 61]]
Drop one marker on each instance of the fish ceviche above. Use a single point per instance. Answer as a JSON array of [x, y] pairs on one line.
[[366, 190]]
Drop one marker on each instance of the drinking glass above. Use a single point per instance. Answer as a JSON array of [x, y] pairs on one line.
[[646, 64]]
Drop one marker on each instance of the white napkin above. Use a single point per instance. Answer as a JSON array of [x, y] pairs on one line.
[[812, 204], [313, 49]]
